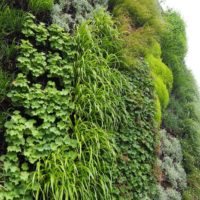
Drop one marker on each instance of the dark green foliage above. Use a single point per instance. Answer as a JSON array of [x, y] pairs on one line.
[[11, 21], [5, 80], [136, 141], [173, 41], [38, 6]]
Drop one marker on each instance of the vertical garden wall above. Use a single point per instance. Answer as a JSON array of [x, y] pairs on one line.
[[96, 102]]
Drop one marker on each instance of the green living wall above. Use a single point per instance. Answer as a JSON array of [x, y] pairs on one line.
[[86, 86], [182, 116]]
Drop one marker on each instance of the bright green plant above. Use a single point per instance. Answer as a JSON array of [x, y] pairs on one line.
[[48, 109], [158, 113], [161, 91], [98, 99], [50, 87], [79, 171], [142, 12], [161, 70]]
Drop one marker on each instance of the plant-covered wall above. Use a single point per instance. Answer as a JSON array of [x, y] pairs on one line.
[[182, 116], [85, 88]]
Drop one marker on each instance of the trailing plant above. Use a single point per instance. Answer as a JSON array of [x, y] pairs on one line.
[[135, 142]]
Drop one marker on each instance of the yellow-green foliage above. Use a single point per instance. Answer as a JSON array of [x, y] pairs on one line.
[[158, 114], [161, 91], [140, 41], [143, 12], [161, 70], [142, 24], [156, 49]]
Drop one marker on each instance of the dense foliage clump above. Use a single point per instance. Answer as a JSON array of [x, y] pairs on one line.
[[68, 14]]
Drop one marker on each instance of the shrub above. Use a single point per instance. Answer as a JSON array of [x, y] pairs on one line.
[[171, 120], [161, 193], [175, 174], [167, 194], [62, 15], [171, 164], [173, 194], [171, 147]]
